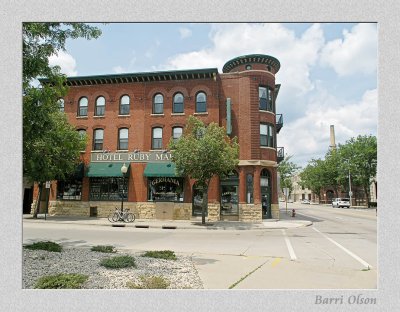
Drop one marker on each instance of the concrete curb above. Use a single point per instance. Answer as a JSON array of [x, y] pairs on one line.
[[176, 225]]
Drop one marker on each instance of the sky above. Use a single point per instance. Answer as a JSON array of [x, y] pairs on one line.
[[328, 71]]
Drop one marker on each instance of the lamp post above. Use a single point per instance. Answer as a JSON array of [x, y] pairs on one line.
[[124, 169], [350, 192]]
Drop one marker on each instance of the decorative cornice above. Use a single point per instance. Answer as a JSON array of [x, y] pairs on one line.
[[252, 58]]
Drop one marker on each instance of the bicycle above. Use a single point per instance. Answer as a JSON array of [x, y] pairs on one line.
[[125, 216]]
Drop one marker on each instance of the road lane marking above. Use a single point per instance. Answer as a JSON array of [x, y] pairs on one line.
[[353, 255], [276, 262], [289, 246]]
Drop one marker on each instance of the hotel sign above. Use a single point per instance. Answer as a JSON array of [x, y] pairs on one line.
[[132, 157]]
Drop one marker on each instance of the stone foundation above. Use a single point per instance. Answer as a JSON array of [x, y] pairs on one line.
[[152, 210], [250, 212]]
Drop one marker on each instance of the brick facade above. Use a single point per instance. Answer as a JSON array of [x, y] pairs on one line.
[[237, 83]]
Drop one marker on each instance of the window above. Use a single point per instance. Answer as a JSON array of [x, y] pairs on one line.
[[158, 104], [177, 133], [124, 105], [230, 194], [201, 102], [82, 133], [123, 139], [70, 190], [265, 99], [248, 67], [157, 138], [83, 106], [61, 104], [177, 106], [100, 106], [165, 189], [98, 139], [108, 189], [249, 187], [267, 135], [265, 185]]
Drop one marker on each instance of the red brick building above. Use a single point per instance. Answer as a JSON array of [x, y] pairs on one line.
[[130, 118]]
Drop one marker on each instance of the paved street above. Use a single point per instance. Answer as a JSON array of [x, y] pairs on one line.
[[339, 249]]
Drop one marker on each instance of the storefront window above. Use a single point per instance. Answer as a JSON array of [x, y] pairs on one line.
[[69, 190], [165, 189], [197, 201], [108, 188], [229, 195], [249, 187]]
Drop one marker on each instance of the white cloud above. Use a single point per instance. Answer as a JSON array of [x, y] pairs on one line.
[[119, 70], [296, 54], [185, 33], [65, 61], [355, 53], [309, 136]]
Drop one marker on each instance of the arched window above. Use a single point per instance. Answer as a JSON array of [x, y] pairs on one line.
[[82, 132], [176, 133], [83, 106], [249, 188], [177, 106], [156, 142], [61, 104], [98, 137], [124, 105], [100, 106], [201, 102], [123, 139], [158, 104]]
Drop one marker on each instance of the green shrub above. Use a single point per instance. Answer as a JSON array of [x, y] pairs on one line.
[[149, 282], [61, 281], [161, 254], [118, 262], [49, 246], [105, 249]]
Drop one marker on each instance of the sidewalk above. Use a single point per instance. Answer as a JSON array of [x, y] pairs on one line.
[[284, 223]]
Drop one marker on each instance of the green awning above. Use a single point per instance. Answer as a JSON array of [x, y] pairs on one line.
[[105, 169], [160, 169]]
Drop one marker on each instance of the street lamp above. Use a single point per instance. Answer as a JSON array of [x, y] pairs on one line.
[[124, 169], [350, 192]]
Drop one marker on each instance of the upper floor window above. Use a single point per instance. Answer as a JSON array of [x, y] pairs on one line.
[[267, 135], [100, 106], [83, 106], [248, 67], [158, 104], [201, 102], [61, 104], [265, 98], [156, 138], [176, 133], [82, 133], [123, 139], [98, 137], [177, 106], [124, 105]]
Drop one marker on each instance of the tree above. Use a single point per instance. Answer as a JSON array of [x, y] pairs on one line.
[[359, 155], [50, 145], [202, 152], [312, 176], [287, 170]]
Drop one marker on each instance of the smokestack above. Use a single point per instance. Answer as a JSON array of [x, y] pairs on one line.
[[333, 144]]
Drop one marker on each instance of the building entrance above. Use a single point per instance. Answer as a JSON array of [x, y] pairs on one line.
[[265, 183]]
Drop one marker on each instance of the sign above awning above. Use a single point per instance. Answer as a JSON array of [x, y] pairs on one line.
[[160, 170], [155, 156], [105, 170]]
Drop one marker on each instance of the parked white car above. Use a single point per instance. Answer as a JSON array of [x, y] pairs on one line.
[[305, 201], [340, 202]]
